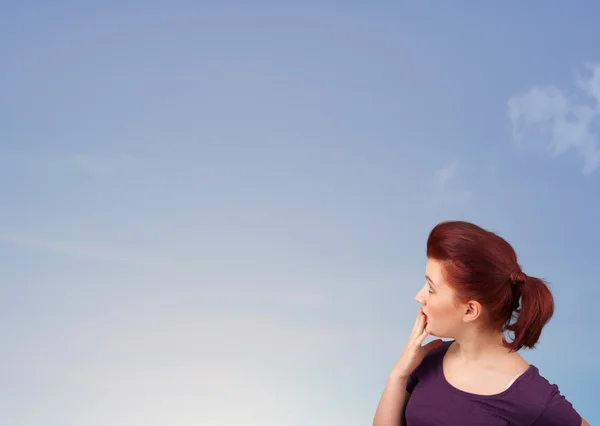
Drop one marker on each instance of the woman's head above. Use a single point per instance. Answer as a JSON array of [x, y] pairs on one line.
[[473, 280]]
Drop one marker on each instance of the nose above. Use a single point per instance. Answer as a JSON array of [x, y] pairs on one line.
[[420, 296]]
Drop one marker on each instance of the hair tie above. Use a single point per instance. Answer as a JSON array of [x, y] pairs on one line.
[[518, 278]]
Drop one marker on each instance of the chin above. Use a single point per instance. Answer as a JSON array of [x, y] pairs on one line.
[[432, 332]]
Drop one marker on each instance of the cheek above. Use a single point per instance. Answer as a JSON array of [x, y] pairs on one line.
[[441, 317], [440, 308]]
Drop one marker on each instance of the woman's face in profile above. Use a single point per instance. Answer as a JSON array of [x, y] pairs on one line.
[[437, 298]]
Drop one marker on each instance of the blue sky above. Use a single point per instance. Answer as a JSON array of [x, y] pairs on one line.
[[217, 214]]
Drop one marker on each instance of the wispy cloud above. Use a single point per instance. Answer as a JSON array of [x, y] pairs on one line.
[[444, 175], [564, 120], [85, 250], [446, 189], [103, 166]]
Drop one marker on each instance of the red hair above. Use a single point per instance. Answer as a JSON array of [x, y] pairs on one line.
[[479, 265]]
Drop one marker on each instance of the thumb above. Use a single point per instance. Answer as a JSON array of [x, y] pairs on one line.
[[432, 345]]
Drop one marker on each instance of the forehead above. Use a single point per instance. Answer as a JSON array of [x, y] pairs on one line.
[[433, 269]]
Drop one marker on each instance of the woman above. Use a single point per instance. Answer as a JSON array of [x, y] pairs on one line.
[[473, 288]]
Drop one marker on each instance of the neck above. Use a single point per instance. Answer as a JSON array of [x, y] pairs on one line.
[[477, 346]]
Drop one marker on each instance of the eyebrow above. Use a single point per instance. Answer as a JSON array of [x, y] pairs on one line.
[[430, 281]]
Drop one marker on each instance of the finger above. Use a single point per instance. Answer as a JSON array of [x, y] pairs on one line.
[[422, 337], [417, 327], [432, 345], [422, 323]]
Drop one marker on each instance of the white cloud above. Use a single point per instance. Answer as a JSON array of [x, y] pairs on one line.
[[445, 190], [444, 175], [564, 121]]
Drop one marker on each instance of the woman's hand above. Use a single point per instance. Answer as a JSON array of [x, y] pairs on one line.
[[414, 353]]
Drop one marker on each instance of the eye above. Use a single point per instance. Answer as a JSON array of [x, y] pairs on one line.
[[429, 288]]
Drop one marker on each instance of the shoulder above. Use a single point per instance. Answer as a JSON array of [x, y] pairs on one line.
[[439, 352], [435, 357], [555, 409], [430, 363]]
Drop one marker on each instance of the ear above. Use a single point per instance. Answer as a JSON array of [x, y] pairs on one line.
[[472, 311]]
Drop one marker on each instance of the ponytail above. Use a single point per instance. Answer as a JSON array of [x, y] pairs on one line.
[[537, 307]]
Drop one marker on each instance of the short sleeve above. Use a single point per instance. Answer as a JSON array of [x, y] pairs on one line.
[[558, 412]]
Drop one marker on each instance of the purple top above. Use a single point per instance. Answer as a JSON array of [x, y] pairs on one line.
[[530, 401]]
